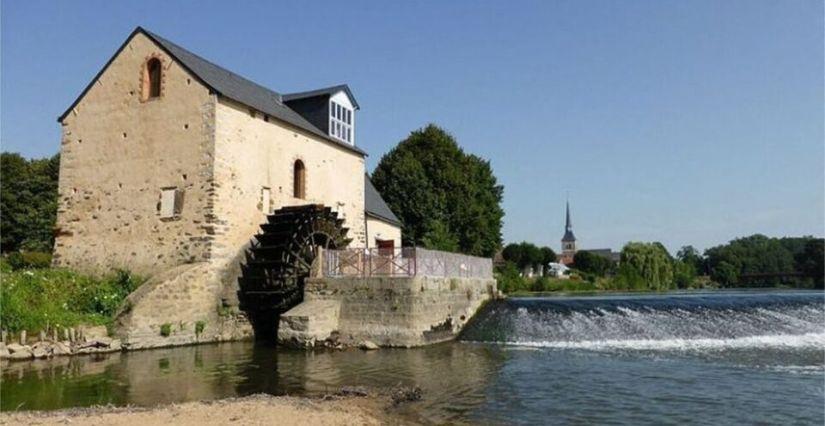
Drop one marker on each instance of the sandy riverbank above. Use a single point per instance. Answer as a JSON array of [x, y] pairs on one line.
[[251, 410]]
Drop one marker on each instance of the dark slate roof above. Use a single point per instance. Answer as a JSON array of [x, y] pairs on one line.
[[568, 227], [227, 84], [375, 206], [325, 91]]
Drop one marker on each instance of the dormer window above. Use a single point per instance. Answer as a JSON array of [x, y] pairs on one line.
[[340, 122]]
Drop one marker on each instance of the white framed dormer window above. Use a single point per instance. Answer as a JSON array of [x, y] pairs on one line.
[[341, 122]]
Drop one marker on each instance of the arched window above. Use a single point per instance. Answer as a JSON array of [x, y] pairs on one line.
[[299, 180], [151, 79]]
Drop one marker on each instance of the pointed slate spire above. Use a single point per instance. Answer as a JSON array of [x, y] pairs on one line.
[[568, 227]]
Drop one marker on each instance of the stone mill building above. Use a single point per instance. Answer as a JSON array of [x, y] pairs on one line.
[[170, 167]]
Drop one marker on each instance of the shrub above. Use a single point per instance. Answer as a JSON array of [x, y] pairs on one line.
[[548, 284], [29, 260], [33, 299], [509, 279], [199, 327], [166, 329]]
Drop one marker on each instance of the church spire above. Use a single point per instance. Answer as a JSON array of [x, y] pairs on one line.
[[568, 227]]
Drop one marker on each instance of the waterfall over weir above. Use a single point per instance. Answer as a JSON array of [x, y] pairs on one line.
[[698, 321]]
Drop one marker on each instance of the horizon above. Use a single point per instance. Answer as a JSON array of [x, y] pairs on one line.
[[707, 99]]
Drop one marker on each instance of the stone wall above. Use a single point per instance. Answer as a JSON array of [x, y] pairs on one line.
[[253, 154], [180, 306], [118, 151], [405, 312]]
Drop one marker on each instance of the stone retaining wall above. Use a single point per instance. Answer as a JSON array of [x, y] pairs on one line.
[[389, 311]]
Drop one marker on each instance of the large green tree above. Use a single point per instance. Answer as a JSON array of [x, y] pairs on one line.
[[754, 255], [28, 202], [526, 254], [692, 258], [441, 193], [651, 262], [586, 261]]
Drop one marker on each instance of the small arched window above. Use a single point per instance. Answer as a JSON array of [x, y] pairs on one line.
[[151, 79], [299, 180]]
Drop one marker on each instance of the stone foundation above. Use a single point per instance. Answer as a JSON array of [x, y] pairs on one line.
[[185, 305], [389, 311]]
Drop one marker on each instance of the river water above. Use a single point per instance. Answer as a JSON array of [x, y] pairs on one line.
[[689, 358]]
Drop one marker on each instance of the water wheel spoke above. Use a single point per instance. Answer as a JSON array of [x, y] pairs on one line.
[[280, 258]]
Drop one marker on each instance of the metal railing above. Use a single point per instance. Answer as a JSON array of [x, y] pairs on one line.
[[403, 262]]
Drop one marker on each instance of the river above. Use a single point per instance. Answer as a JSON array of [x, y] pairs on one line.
[[677, 358]]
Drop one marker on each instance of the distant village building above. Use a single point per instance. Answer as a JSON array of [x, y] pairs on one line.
[[568, 245], [568, 241], [608, 254], [557, 270]]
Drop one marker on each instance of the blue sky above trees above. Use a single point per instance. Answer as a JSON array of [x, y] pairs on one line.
[[684, 122]]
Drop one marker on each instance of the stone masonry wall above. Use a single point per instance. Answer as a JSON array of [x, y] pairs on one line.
[[253, 154], [118, 151], [391, 311]]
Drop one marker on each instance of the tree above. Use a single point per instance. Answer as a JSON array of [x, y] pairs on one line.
[[428, 178], [513, 252], [811, 261], [586, 261], [684, 274], [526, 254], [440, 238], [547, 255], [652, 263], [28, 202], [754, 255], [532, 255], [691, 257]]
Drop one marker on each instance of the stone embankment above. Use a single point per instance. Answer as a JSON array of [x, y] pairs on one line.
[[76, 342]]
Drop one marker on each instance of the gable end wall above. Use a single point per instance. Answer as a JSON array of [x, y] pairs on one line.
[[118, 152]]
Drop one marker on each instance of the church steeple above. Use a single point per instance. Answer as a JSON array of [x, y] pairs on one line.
[[568, 227], [568, 241]]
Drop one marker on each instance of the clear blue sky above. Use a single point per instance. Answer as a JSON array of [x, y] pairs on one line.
[[687, 122]]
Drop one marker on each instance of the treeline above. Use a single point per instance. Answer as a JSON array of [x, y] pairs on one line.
[[760, 261], [528, 255], [754, 261], [28, 202]]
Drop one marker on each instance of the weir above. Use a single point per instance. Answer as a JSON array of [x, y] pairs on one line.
[[656, 322]]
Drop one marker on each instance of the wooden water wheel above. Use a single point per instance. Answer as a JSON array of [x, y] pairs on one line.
[[280, 259]]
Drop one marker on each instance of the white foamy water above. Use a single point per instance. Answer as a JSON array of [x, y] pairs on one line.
[[783, 341]]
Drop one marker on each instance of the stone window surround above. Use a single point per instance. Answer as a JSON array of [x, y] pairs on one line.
[[143, 83], [177, 208], [292, 179]]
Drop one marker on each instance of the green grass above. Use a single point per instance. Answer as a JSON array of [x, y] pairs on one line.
[[199, 327], [35, 299]]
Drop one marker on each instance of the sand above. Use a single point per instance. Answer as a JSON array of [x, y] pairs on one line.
[[251, 410]]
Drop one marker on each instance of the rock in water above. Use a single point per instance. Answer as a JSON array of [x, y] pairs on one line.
[[406, 394], [19, 351], [61, 348], [367, 345]]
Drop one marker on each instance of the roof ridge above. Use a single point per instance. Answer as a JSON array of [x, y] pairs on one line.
[[225, 83], [160, 38]]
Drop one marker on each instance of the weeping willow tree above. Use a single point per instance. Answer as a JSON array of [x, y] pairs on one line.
[[649, 263]]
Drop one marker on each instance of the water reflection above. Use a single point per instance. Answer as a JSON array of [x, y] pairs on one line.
[[452, 371]]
